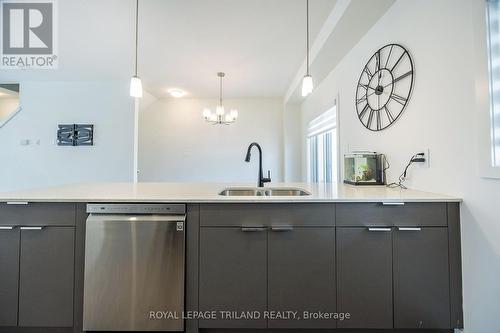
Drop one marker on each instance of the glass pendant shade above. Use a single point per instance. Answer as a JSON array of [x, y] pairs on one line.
[[307, 85], [135, 87]]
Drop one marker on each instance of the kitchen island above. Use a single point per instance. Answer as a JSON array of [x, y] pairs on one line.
[[340, 258]]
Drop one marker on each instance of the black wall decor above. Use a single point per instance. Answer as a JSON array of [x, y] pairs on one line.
[[75, 135], [384, 87]]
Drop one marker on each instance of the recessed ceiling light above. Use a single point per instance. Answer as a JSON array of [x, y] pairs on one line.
[[177, 92]]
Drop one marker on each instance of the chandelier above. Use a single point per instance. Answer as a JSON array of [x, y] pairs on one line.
[[220, 117]]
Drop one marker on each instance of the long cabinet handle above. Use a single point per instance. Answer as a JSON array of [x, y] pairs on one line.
[[393, 203], [282, 228], [252, 229], [379, 229], [6, 228], [31, 228], [409, 228]]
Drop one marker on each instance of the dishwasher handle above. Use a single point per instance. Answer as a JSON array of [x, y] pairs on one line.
[[103, 218]]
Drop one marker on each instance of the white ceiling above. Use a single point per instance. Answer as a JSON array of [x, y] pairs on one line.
[[183, 43], [258, 43]]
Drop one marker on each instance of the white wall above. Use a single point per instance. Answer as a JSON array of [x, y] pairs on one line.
[[47, 104], [177, 145], [292, 143], [450, 82]]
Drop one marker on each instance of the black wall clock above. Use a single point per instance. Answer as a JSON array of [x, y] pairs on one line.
[[384, 87]]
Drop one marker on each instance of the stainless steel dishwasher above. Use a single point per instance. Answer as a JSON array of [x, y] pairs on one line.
[[134, 267]]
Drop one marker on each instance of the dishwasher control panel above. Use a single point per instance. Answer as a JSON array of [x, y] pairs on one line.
[[152, 209]]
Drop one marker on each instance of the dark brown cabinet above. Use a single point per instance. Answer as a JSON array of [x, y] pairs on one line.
[[233, 275], [421, 278], [46, 277], [390, 266], [394, 277], [267, 257], [37, 264], [9, 276], [364, 270], [301, 276], [384, 214], [267, 270]]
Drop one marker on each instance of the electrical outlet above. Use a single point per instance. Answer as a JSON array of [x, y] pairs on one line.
[[427, 155]]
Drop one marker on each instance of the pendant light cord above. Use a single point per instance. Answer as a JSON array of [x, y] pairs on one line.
[[136, 32], [220, 91], [307, 37]]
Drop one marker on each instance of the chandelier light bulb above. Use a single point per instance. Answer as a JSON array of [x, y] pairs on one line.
[[219, 110], [234, 114], [207, 113]]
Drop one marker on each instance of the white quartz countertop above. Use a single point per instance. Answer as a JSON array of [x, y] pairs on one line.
[[208, 192]]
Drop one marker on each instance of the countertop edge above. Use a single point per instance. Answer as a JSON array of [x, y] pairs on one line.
[[231, 200]]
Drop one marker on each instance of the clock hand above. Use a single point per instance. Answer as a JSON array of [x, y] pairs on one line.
[[366, 86], [399, 78]]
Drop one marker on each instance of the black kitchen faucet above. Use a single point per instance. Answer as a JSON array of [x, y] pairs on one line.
[[262, 180]]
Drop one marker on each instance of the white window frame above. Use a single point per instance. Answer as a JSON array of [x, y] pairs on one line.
[[484, 102], [327, 122]]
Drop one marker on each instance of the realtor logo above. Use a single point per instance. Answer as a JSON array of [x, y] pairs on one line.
[[28, 34]]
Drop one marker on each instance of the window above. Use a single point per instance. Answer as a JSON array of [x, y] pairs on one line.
[[322, 148], [494, 70]]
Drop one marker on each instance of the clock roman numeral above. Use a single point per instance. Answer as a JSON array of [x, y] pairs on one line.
[[388, 57], [379, 121], [398, 61], [363, 112], [370, 119], [389, 114], [377, 59], [368, 72], [400, 99]]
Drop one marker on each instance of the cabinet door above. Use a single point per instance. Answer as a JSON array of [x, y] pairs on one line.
[[421, 278], [46, 277], [301, 276], [364, 273], [9, 276], [233, 276]]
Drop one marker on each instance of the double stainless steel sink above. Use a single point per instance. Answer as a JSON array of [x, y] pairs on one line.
[[264, 191]]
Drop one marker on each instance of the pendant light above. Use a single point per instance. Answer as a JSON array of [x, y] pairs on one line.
[[220, 117], [135, 81], [307, 81]]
